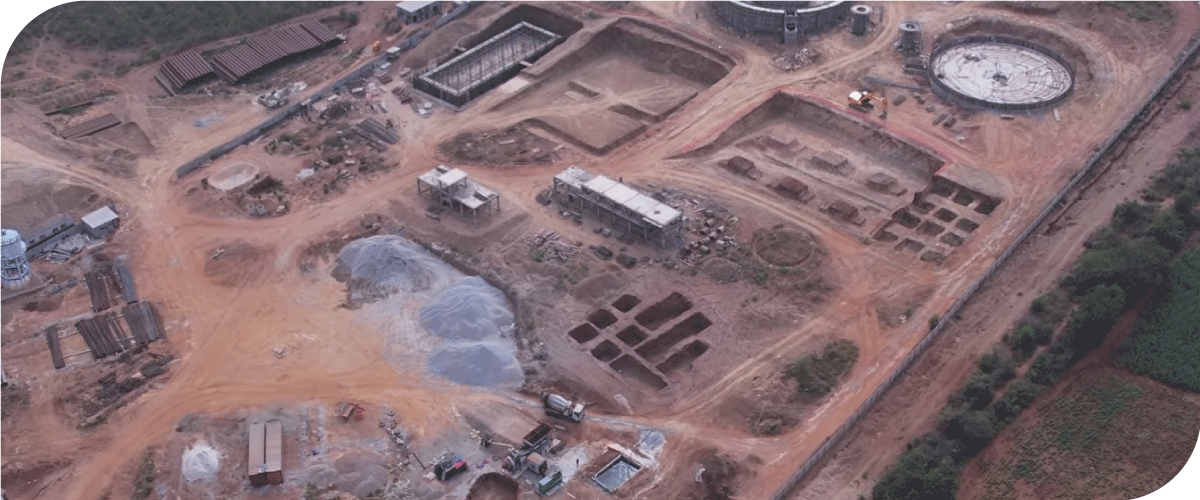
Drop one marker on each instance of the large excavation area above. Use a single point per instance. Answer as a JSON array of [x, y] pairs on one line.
[[495, 250]]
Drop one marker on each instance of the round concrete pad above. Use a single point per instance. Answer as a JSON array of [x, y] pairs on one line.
[[233, 176]]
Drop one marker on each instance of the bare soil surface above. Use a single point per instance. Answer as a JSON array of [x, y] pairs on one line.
[[262, 331]]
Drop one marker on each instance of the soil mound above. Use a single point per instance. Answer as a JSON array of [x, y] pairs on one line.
[[379, 266]]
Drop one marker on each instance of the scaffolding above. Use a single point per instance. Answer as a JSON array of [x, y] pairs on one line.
[[621, 206], [487, 65], [454, 189]]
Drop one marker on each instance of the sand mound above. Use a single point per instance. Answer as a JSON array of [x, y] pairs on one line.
[[379, 266], [201, 463], [470, 309], [482, 363]]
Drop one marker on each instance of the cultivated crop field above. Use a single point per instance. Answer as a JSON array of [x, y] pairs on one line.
[[1102, 434], [1166, 343]]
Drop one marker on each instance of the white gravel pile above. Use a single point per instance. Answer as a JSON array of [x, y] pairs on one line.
[[201, 462]]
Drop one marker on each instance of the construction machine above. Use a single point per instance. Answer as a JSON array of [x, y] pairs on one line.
[[861, 100], [561, 407], [376, 46]]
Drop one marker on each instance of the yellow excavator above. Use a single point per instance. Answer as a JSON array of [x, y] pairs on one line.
[[861, 100]]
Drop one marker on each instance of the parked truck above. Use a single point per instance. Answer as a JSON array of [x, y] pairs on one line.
[[561, 407]]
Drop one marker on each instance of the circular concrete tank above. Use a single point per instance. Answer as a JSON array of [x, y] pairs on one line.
[[1001, 73], [789, 21], [860, 18]]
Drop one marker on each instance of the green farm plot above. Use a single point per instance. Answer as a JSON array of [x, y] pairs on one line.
[[1165, 344], [1103, 434]]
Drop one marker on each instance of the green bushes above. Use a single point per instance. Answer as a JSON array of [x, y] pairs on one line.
[[1165, 344], [817, 375], [171, 25]]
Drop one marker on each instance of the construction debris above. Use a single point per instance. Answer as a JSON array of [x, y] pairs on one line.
[[552, 247], [791, 61]]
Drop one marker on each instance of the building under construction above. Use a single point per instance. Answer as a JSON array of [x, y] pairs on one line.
[[487, 65], [623, 207], [452, 188]]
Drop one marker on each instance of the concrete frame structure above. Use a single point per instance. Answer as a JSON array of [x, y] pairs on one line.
[[454, 189], [623, 207], [487, 65], [789, 21], [415, 12], [14, 268]]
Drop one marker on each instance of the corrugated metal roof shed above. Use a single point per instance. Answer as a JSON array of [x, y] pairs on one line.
[[271, 47], [258, 439], [274, 448], [90, 127], [183, 68]]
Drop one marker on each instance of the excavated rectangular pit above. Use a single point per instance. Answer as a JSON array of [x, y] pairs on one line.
[[630, 367], [922, 206], [910, 245], [606, 351], [658, 347], [987, 205], [906, 219], [966, 225], [626, 303], [952, 239], [602, 318], [683, 359], [964, 196], [930, 228], [934, 257], [583, 333], [641, 71], [945, 215], [664, 311], [631, 335], [616, 473], [885, 236]]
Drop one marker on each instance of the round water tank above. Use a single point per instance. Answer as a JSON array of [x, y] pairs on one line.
[[860, 18], [910, 36]]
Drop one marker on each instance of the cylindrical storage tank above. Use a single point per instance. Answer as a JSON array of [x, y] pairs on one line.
[[910, 36], [860, 18], [14, 269]]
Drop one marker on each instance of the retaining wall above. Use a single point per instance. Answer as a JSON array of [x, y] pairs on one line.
[[747, 17], [835, 440]]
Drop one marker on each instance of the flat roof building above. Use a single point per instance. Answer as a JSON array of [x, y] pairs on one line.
[[453, 188], [100, 223], [415, 12], [624, 208]]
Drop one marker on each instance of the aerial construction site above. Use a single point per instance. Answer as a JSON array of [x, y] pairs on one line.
[[497, 250]]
